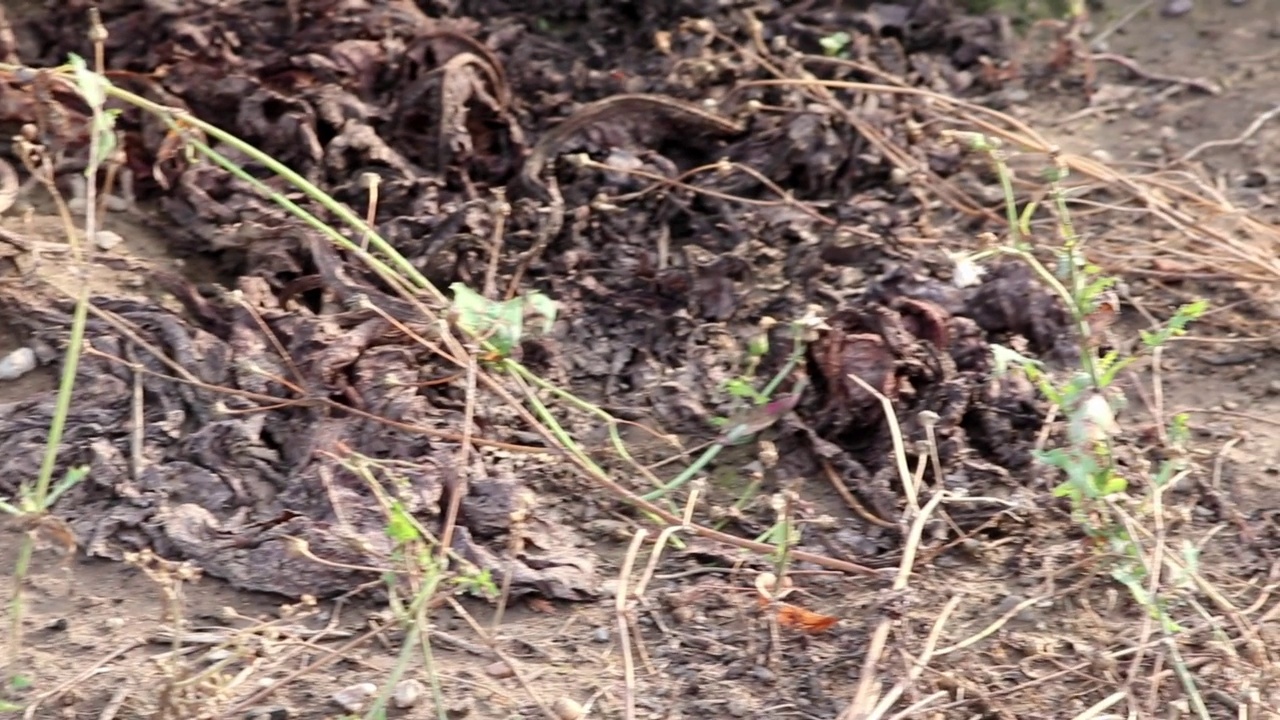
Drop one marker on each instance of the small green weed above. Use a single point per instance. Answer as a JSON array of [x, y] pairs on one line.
[[1097, 487]]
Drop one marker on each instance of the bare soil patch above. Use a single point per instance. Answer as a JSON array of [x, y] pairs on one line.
[[627, 160]]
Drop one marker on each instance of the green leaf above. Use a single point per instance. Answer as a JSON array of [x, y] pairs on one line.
[[742, 388], [1180, 429], [540, 305], [835, 42], [20, 682], [88, 82], [400, 526], [1024, 221], [1177, 325], [1111, 484], [1112, 369], [1166, 471], [1091, 291], [73, 477], [500, 323], [1003, 357], [92, 87], [1067, 490]]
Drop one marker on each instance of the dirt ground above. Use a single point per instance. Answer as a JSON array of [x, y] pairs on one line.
[[661, 292]]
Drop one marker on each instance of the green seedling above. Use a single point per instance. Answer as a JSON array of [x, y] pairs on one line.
[[502, 323], [1093, 479], [835, 44], [736, 430]]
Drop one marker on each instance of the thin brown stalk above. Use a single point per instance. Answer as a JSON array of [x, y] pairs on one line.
[[620, 607], [917, 668]]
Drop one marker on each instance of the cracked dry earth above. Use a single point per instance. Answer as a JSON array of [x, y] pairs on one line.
[[231, 366]]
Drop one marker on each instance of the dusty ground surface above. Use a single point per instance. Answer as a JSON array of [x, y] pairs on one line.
[[660, 293]]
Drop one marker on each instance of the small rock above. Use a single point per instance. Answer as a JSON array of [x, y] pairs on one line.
[[106, 239], [763, 674], [498, 670], [738, 706], [1017, 95], [17, 363], [1274, 387], [408, 693], [1230, 405], [601, 635], [567, 709], [113, 623], [1102, 156], [353, 698], [1177, 8]]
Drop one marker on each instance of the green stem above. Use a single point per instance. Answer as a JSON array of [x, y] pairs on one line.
[[39, 500], [416, 619], [688, 473], [179, 120]]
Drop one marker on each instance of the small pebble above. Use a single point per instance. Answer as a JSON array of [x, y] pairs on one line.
[[601, 635], [355, 697], [1230, 405], [567, 709], [498, 670], [106, 239], [1177, 8], [1102, 156], [1017, 95], [738, 706], [17, 363], [763, 674], [113, 623], [407, 693]]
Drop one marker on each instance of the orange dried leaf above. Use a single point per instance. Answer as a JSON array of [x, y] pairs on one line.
[[806, 620]]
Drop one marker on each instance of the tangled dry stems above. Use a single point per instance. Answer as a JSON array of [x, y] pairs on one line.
[[1190, 208]]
